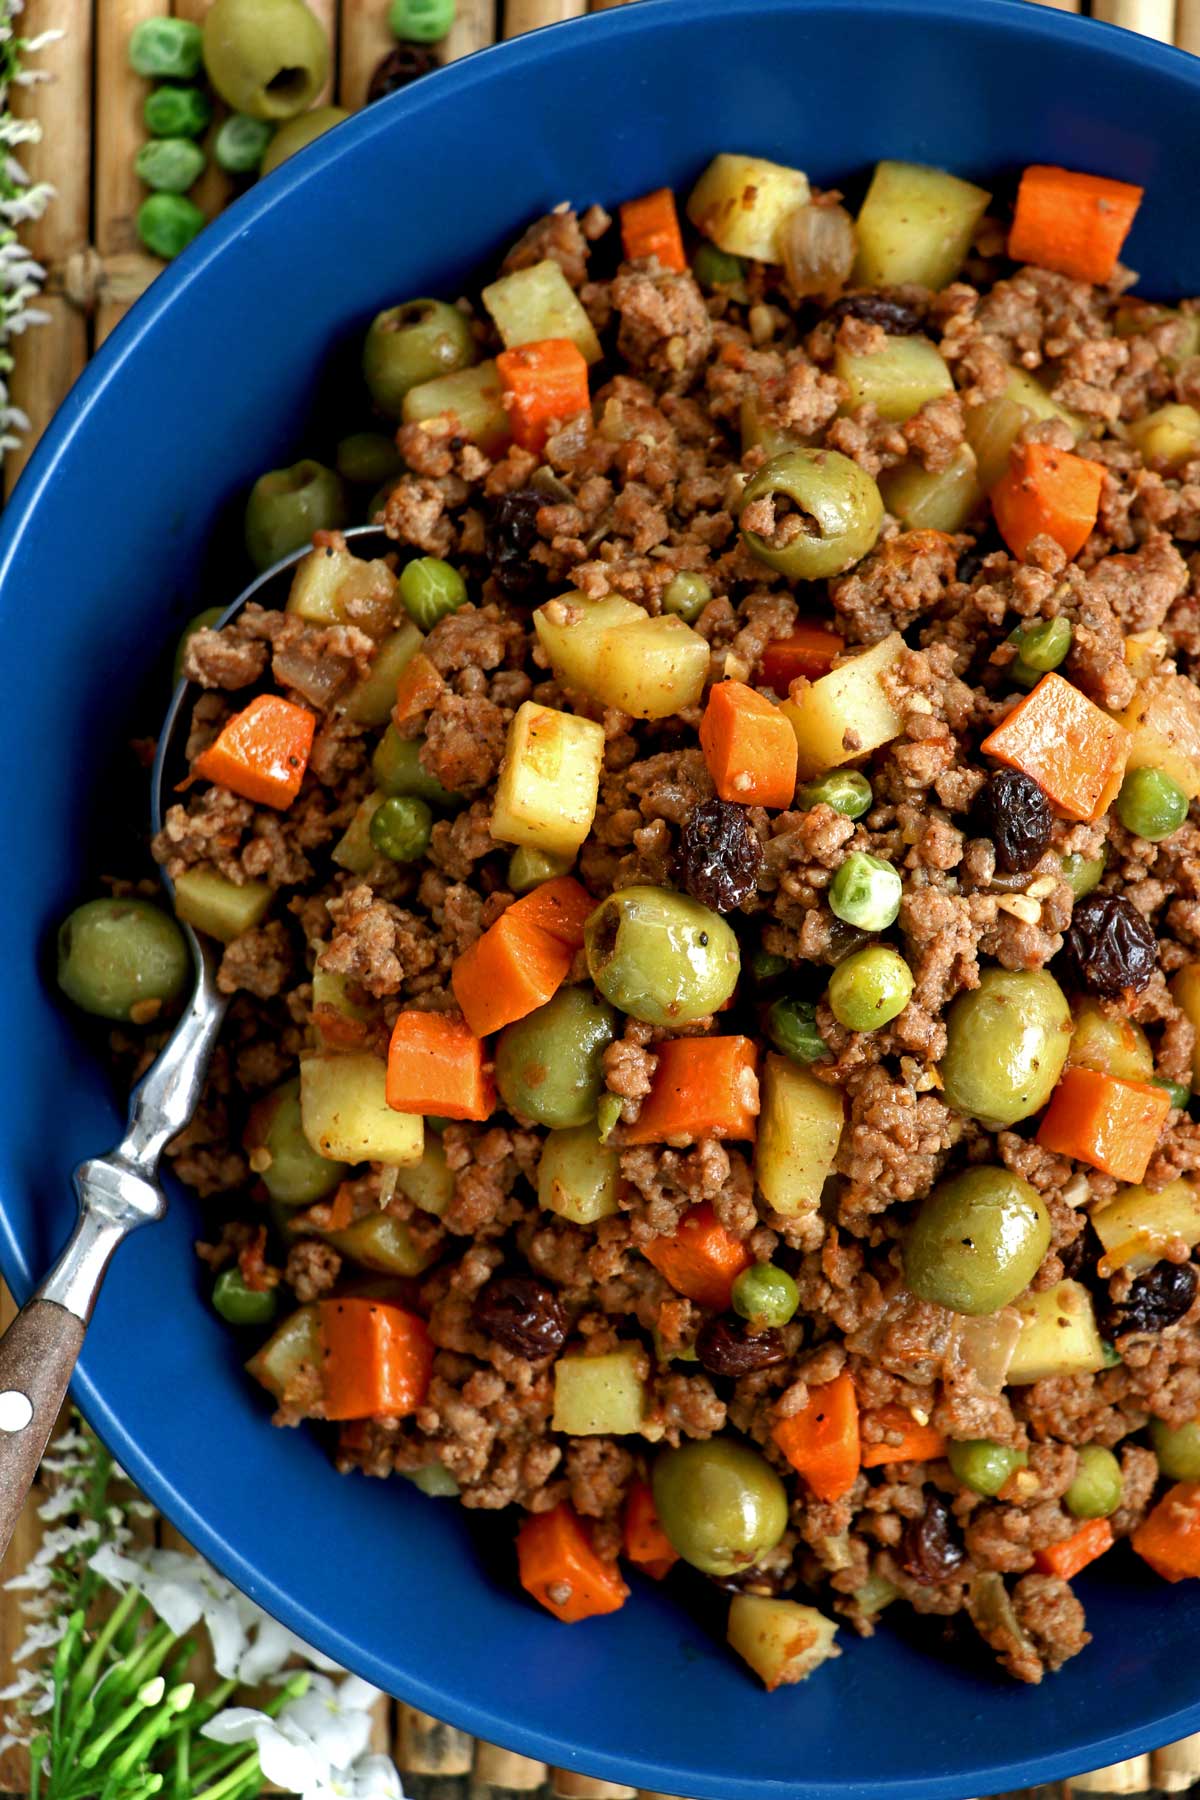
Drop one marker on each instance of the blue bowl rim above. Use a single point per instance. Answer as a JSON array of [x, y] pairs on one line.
[[456, 81]]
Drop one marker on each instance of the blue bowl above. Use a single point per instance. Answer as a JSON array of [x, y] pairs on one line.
[[120, 529]]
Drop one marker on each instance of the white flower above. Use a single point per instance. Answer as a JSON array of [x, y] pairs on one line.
[[40, 1637], [317, 1745]]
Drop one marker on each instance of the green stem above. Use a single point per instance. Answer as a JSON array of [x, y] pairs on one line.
[[68, 1644], [181, 1785], [203, 1710], [149, 1657], [89, 1757], [229, 1784], [37, 1751], [89, 1668]]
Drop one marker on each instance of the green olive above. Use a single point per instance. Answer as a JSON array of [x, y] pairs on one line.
[[721, 1504], [368, 458], [286, 506], [1006, 1044], [268, 58], [280, 1154], [660, 956], [122, 959], [548, 1065], [977, 1241], [298, 132], [982, 1466], [1097, 1489], [412, 343], [870, 988], [1082, 873], [830, 515], [1177, 1449]]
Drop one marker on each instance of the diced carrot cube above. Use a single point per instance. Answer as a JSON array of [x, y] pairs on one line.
[[1110, 1123], [811, 651], [749, 746], [561, 1569], [702, 1260], [1060, 738], [646, 1543], [1169, 1537], [436, 1065], [1072, 222], [544, 383], [1066, 1558], [262, 752], [702, 1087], [822, 1440], [1047, 493], [650, 227], [376, 1359]]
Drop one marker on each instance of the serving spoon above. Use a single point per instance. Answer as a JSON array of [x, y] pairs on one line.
[[120, 1191]]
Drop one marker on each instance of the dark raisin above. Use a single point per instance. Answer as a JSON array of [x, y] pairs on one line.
[[512, 536], [523, 1314], [1019, 820], [897, 317], [1111, 946], [729, 1347], [930, 1547], [769, 1582], [400, 66], [720, 856], [1155, 1300]]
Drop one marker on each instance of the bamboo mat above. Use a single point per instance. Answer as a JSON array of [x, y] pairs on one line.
[[91, 116]]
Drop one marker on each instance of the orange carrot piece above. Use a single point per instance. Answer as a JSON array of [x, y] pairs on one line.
[[702, 1260], [702, 1087], [436, 1065], [543, 382], [822, 1441], [811, 651], [561, 907], [749, 746], [513, 968], [376, 1359], [650, 227], [417, 689], [561, 1569], [646, 1543], [918, 1443], [262, 752], [1098, 1119], [1072, 222], [1074, 752], [1066, 1558], [1169, 1537], [1047, 493]]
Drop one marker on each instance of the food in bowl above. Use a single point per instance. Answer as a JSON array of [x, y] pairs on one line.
[[710, 915]]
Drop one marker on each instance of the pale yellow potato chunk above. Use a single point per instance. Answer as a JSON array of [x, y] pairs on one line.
[[345, 1116], [916, 224], [783, 1641], [549, 780], [1058, 1336], [847, 712], [1164, 721], [1139, 1228], [222, 908], [600, 1396], [616, 653], [799, 1129], [740, 202], [539, 302]]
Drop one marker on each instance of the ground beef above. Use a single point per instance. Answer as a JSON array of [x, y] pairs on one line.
[[665, 331]]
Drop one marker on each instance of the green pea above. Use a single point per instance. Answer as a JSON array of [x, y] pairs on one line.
[[241, 143], [400, 828], [287, 505], [765, 1294], [297, 134], [870, 988], [169, 165], [766, 968], [721, 1504], [398, 770], [239, 1304], [661, 956], [1040, 648], [1006, 1045], [687, 595], [828, 512], [410, 344], [282, 1157], [716, 268], [848, 792], [167, 223], [1082, 873], [1112, 1356], [1151, 805], [368, 458], [431, 589], [527, 869], [166, 49], [435, 1481], [1177, 1449], [977, 1241], [172, 112], [549, 1065], [420, 21], [608, 1115], [1178, 1090], [268, 58], [866, 892], [792, 1028], [202, 621], [982, 1466], [1097, 1488], [122, 959]]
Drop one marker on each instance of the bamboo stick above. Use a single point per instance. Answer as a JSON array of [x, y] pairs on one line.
[[364, 39], [1129, 1777], [1177, 1766], [474, 28], [1187, 25], [526, 15], [215, 188], [50, 356], [602, 5], [1152, 18], [425, 1746], [1072, 6], [568, 1784], [120, 95], [499, 1773]]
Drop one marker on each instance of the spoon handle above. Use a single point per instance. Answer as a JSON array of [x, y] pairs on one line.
[[37, 1357]]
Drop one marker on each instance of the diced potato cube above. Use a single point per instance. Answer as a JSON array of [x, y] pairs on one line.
[[473, 397], [847, 712], [1185, 991], [370, 701], [429, 1183], [934, 499], [1145, 653], [1164, 720], [1139, 1228], [578, 1176], [332, 587], [220, 907], [799, 1129], [783, 1641], [617, 654], [993, 427], [916, 224], [293, 1345], [897, 380], [313, 593], [539, 302], [345, 1114], [380, 1242], [1058, 1336], [600, 1396], [354, 849], [549, 780], [1168, 438], [1113, 1046], [740, 202]]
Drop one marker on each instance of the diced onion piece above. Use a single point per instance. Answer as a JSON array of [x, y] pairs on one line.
[[816, 247]]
